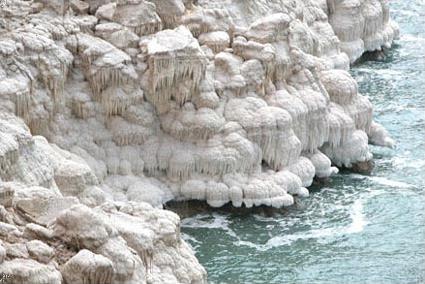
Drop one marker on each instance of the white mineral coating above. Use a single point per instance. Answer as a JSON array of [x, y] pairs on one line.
[[40, 251], [87, 267], [362, 25], [30, 271], [378, 135], [2, 253], [240, 102]]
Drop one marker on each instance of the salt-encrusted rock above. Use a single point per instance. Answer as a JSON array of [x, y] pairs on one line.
[[217, 41], [17, 250], [79, 6], [139, 16], [34, 231], [174, 58], [106, 11], [87, 267], [84, 228], [40, 251], [269, 29], [230, 102], [9, 231], [378, 135], [2, 253], [362, 26], [170, 11], [30, 271], [72, 178], [43, 211], [6, 195]]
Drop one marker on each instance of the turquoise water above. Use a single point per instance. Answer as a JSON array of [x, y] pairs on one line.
[[357, 229]]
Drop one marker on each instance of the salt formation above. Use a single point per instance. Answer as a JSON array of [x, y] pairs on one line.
[[146, 101], [362, 25]]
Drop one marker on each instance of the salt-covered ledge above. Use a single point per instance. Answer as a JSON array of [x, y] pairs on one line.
[[106, 108]]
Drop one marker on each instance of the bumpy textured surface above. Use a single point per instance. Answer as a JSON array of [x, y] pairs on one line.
[[106, 106]]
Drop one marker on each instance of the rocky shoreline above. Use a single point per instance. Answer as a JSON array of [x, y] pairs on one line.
[[111, 109]]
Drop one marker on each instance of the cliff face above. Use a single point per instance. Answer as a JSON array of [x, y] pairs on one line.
[[137, 101]]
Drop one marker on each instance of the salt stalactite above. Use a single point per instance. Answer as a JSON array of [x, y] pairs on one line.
[[317, 118], [175, 58], [181, 164], [361, 111], [80, 105], [341, 126], [361, 26], [341, 87], [267, 126], [298, 111], [115, 101], [19, 92], [104, 65], [241, 88], [9, 154], [169, 72]]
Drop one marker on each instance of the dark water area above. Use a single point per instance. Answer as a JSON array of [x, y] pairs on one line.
[[356, 228]]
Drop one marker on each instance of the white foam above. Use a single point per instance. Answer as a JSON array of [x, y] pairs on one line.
[[357, 225], [391, 183], [217, 222]]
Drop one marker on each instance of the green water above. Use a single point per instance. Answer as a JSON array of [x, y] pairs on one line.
[[357, 229]]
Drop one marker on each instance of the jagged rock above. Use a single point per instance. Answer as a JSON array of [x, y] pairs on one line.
[[43, 211], [87, 267], [106, 11], [79, 6]]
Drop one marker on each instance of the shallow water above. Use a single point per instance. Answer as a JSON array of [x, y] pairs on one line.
[[358, 229]]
